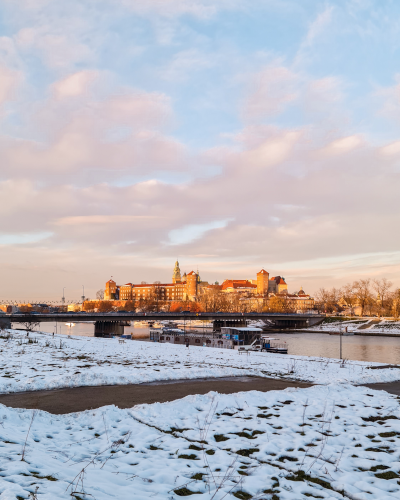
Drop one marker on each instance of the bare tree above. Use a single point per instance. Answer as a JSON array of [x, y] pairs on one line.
[[30, 323], [105, 306], [100, 294], [329, 299], [281, 304], [212, 299], [322, 297], [362, 290], [395, 296], [157, 295], [349, 297], [382, 288]]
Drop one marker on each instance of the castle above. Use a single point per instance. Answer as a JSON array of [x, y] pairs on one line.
[[189, 286], [184, 287]]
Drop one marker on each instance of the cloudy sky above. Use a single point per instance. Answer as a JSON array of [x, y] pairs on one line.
[[232, 134]]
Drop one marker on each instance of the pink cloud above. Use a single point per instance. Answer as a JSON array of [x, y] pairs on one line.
[[10, 79]]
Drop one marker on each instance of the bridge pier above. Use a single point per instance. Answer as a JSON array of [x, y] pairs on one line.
[[5, 323], [218, 323], [109, 328], [293, 323]]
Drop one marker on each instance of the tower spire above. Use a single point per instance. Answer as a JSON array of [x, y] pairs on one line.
[[176, 275]]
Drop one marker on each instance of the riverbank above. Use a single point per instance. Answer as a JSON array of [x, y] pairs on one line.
[[338, 332], [361, 326], [43, 362]]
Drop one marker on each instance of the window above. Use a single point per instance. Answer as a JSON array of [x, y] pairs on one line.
[[208, 341], [177, 339], [162, 337], [220, 342], [168, 338], [197, 341]]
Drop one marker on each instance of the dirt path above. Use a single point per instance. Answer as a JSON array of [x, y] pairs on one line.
[[392, 387], [125, 396]]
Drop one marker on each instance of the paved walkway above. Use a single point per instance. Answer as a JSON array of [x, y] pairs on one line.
[[62, 401], [392, 387]]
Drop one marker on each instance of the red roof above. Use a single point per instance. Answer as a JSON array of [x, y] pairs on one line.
[[237, 284], [279, 280]]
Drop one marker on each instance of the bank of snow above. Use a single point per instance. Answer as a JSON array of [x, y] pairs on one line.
[[44, 362], [329, 442], [362, 326]]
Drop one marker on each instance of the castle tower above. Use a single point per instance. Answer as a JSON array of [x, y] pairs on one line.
[[110, 290], [191, 285], [262, 282], [176, 275]]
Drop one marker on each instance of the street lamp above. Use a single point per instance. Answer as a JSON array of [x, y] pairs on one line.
[[340, 342]]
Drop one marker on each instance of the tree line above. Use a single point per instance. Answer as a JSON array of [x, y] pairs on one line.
[[371, 296], [209, 300]]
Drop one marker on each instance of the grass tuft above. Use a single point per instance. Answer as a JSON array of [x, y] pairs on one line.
[[220, 437], [242, 495], [247, 452], [387, 475], [185, 492], [189, 457]]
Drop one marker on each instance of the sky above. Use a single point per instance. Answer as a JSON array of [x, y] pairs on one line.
[[233, 135]]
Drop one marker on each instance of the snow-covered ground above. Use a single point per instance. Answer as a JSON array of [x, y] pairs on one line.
[[377, 326], [44, 362], [329, 442]]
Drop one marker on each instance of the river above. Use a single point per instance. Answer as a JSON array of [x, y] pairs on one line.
[[355, 347]]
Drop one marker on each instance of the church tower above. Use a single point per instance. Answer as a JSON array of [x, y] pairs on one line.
[[176, 276]]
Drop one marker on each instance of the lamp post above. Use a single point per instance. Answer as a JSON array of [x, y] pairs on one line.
[[340, 340]]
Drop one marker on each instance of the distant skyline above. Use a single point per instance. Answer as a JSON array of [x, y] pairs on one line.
[[234, 135]]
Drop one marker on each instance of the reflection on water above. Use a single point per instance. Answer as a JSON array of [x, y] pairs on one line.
[[80, 329], [356, 347], [85, 329]]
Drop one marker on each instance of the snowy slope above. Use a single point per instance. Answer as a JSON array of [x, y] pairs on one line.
[[328, 442], [383, 326], [49, 363]]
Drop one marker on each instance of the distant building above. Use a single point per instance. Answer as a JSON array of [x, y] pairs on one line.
[[298, 301], [9, 308], [111, 290], [74, 307], [190, 286], [238, 286], [181, 288], [176, 275], [277, 284], [262, 282]]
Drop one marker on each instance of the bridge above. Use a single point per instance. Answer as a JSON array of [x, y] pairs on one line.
[[114, 322]]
